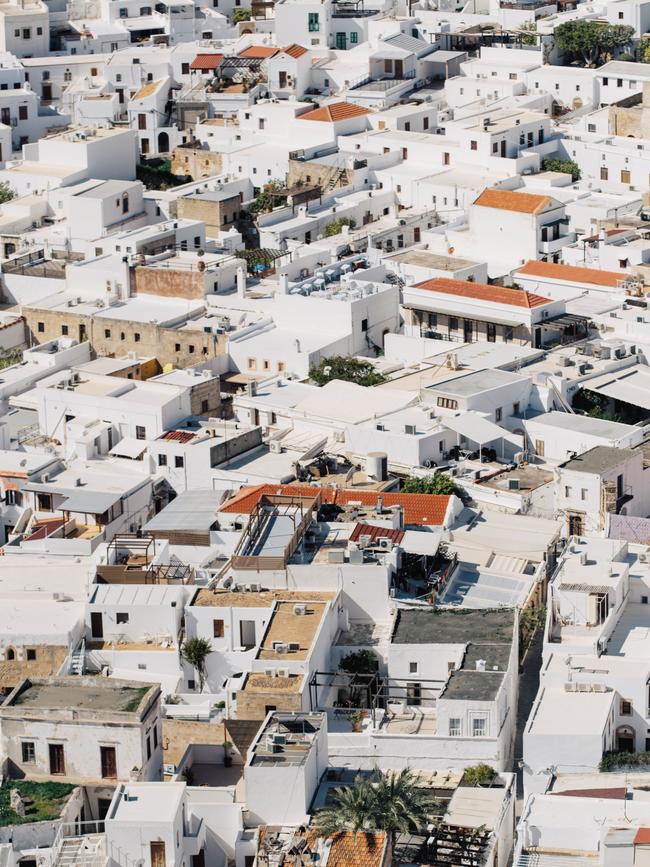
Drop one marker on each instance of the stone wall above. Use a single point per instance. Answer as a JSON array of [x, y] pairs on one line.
[[196, 162]]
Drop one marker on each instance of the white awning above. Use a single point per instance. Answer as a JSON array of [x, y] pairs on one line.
[[129, 447], [420, 542], [475, 428]]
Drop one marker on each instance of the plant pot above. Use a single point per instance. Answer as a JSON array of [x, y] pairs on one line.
[[357, 726]]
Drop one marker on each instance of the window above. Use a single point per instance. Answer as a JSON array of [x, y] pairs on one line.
[[31, 654], [591, 127], [413, 667], [473, 145], [44, 502], [64, 330], [107, 333], [57, 760], [491, 332], [364, 324], [498, 413], [122, 617], [140, 432], [29, 751], [27, 32], [583, 493], [604, 174], [453, 324], [162, 460], [644, 600], [605, 80], [619, 82], [313, 23], [479, 727], [515, 408], [567, 491], [626, 707], [40, 327], [425, 123], [185, 69], [39, 31], [354, 38], [179, 462], [13, 498], [217, 628], [252, 363], [621, 16], [625, 176], [191, 684], [136, 337], [177, 347], [454, 727], [512, 76], [447, 403]]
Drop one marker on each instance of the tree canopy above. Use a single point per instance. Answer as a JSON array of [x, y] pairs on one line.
[[438, 483], [196, 651], [591, 41], [347, 369], [7, 193], [389, 802], [566, 166]]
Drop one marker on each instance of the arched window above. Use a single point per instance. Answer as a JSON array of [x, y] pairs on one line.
[[67, 75], [125, 203], [11, 653]]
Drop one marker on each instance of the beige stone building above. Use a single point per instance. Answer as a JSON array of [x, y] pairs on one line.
[[630, 117], [218, 210], [195, 162]]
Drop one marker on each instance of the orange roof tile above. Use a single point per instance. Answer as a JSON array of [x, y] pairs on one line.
[[366, 849], [483, 292], [425, 509], [507, 200], [206, 61], [295, 50], [572, 274], [334, 112], [260, 52], [642, 837]]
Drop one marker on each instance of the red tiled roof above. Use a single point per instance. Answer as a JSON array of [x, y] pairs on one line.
[[295, 50], [483, 292], [508, 200], [427, 509], [259, 52], [642, 837], [334, 112], [180, 436], [395, 536], [572, 274], [206, 61], [614, 794]]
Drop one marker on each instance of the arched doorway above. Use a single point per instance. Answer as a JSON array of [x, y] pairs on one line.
[[163, 143], [11, 654], [625, 739]]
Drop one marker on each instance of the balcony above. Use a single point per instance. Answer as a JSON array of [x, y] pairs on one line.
[[194, 836]]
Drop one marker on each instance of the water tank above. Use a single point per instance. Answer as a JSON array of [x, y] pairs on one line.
[[377, 466]]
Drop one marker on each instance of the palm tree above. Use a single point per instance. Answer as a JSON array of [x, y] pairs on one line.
[[382, 802], [196, 651]]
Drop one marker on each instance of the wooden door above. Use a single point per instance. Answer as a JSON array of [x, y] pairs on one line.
[[399, 68], [109, 762], [57, 759], [157, 850]]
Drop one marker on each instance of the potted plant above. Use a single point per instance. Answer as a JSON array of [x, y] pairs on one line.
[[227, 758], [356, 720], [135, 774]]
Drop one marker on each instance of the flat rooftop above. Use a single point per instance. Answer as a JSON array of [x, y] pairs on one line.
[[286, 739], [477, 382], [263, 599], [427, 259], [286, 626], [473, 685], [598, 460], [453, 627], [79, 693]]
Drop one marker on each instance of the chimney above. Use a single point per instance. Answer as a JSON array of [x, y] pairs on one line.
[[241, 282], [283, 284]]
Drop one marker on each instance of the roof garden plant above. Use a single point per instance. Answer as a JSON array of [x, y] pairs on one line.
[[44, 801]]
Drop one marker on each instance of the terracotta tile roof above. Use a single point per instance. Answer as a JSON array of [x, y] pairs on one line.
[[642, 837], [206, 61], [427, 509], [180, 436], [295, 50], [507, 200], [614, 794], [395, 536], [572, 274], [148, 89], [259, 52], [334, 112], [483, 292], [366, 849]]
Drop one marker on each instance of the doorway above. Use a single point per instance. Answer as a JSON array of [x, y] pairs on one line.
[[625, 739], [46, 92], [109, 763], [468, 330], [575, 525], [163, 143], [157, 852], [341, 41], [57, 759], [399, 68], [247, 633], [414, 694], [96, 624]]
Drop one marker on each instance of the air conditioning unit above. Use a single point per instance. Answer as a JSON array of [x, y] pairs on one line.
[[283, 672], [410, 429], [385, 544], [255, 588], [275, 447], [299, 609], [364, 540], [279, 739], [270, 672], [279, 647], [294, 646]]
